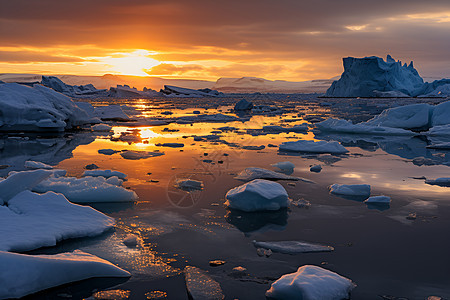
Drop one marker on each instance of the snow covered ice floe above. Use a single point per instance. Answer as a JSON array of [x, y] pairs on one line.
[[257, 195], [29, 164], [383, 200], [31, 221], [111, 112], [344, 126], [135, 155], [104, 173], [311, 283], [37, 108], [22, 274], [443, 181], [362, 190], [101, 127], [87, 189], [292, 247], [406, 117], [201, 286], [313, 147], [249, 174]]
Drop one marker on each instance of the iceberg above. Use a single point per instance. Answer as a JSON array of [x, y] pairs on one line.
[[311, 283], [344, 126], [257, 195], [32, 221], [125, 91], [22, 274], [313, 147], [292, 247], [71, 90], [37, 108], [407, 117]]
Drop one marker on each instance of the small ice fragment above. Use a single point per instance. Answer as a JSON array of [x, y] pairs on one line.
[[443, 181], [316, 168], [243, 105], [252, 173], [216, 263], [107, 151], [173, 145], [312, 283], [29, 164], [411, 216], [362, 190], [301, 203], [263, 252], [104, 173], [131, 240], [201, 286], [189, 184], [91, 167], [293, 247], [285, 166], [378, 200], [135, 155], [239, 269], [101, 127]]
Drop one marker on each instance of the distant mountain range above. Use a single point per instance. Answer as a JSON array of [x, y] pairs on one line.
[[226, 85]]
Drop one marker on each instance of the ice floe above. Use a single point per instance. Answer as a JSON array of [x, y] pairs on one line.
[[107, 151], [32, 221], [293, 247], [311, 283], [344, 126], [101, 127], [285, 166], [313, 147], [175, 91], [111, 112], [243, 105], [29, 164], [135, 155], [385, 200], [104, 173], [441, 146], [172, 145], [87, 189], [201, 286], [443, 181], [249, 174], [257, 195], [406, 117], [22, 274], [189, 184], [315, 168], [37, 108], [358, 190]]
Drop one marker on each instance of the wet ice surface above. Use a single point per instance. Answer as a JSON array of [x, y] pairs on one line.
[[385, 252]]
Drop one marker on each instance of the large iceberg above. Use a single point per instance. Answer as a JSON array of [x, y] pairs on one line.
[[311, 283], [21, 275], [125, 91], [71, 90], [374, 77], [37, 108]]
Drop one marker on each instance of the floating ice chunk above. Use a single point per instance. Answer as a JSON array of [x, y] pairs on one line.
[[21, 181], [175, 91], [189, 184], [362, 190], [292, 247], [23, 274], [37, 165], [441, 146], [243, 105], [131, 240], [277, 129], [443, 181], [441, 114], [439, 130], [378, 200], [173, 145], [114, 180], [252, 173], [344, 126], [111, 112], [201, 286], [101, 127], [406, 117], [86, 190], [134, 155], [285, 166], [257, 195], [31, 221], [104, 173], [107, 151], [313, 147], [311, 283], [316, 168]]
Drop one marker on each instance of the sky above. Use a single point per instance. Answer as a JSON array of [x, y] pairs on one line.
[[206, 39]]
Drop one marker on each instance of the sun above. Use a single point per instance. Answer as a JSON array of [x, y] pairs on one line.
[[131, 63]]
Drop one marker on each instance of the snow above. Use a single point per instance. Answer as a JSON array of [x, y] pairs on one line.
[[344, 126], [37, 108], [111, 112], [201, 286], [104, 173], [378, 200], [351, 189], [32, 221], [22, 275], [313, 147], [311, 283], [292, 247], [257, 195], [37, 165], [189, 184], [135, 155], [243, 105], [249, 174], [443, 181], [20, 181], [406, 117], [87, 189], [101, 127]]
